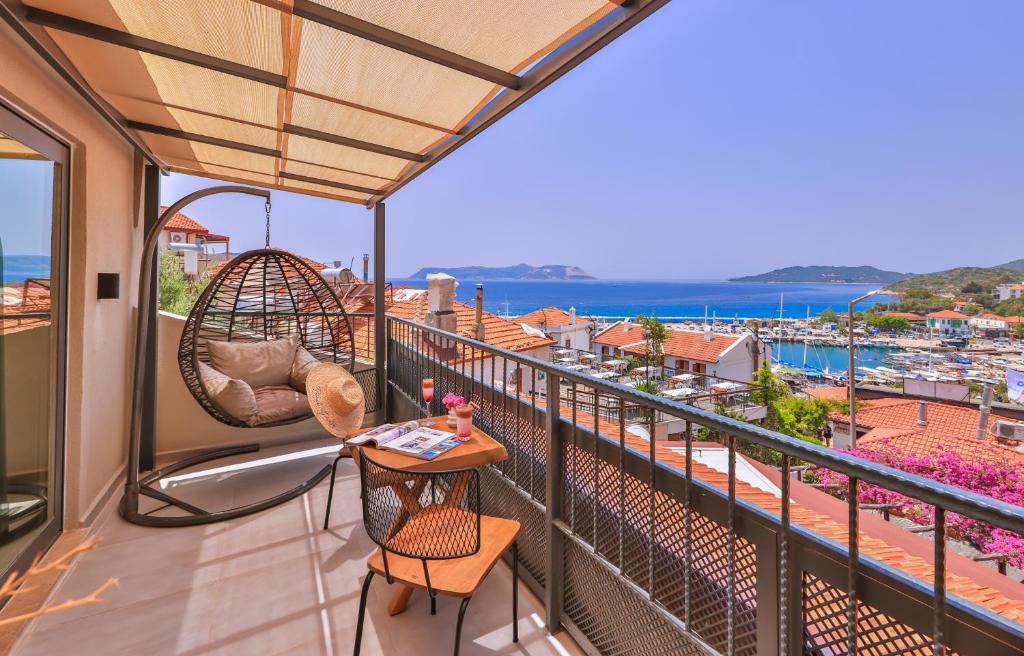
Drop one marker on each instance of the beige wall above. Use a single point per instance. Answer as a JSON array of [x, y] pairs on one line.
[[104, 210], [181, 423]]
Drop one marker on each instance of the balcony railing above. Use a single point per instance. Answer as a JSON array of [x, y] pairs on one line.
[[635, 555]]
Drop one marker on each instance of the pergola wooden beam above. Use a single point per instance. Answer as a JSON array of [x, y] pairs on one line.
[[202, 138], [330, 183], [310, 133], [398, 41], [142, 44]]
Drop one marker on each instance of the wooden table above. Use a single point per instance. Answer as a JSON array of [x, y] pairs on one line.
[[480, 450]]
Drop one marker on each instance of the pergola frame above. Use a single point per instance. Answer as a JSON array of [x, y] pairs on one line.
[[516, 89]]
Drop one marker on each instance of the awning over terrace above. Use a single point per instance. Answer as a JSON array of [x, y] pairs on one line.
[[347, 99]]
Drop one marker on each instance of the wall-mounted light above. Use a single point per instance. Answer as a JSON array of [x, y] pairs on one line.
[[108, 286]]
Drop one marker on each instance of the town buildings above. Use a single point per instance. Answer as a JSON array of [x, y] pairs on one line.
[[733, 357], [567, 329]]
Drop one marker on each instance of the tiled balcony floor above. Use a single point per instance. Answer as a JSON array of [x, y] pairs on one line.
[[271, 583]]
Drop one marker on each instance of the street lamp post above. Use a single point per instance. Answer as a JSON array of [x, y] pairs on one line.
[[849, 371]]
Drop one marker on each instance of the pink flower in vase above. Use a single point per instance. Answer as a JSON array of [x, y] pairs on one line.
[[452, 401]]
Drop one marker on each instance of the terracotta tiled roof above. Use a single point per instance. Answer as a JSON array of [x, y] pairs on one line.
[[184, 223], [499, 332], [1013, 319], [947, 314], [950, 428], [549, 316], [691, 345], [21, 299], [832, 393], [623, 333], [317, 266]]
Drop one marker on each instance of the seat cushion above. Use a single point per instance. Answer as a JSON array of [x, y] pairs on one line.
[[456, 577], [279, 403], [260, 363], [234, 397], [302, 364]]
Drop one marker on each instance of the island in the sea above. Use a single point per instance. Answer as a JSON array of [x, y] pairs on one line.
[[517, 272], [867, 275]]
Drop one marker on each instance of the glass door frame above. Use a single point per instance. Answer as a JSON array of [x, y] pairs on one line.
[[51, 147]]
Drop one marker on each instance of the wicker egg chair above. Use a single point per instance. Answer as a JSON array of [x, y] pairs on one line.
[[261, 295]]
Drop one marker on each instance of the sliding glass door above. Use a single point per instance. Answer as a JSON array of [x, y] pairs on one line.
[[33, 255]]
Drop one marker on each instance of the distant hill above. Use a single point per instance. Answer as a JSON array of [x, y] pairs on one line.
[[830, 274], [954, 280], [517, 272]]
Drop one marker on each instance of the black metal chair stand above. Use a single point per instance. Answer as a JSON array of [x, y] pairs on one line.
[[421, 517]]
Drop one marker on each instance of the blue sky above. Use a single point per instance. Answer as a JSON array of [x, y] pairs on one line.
[[721, 138]]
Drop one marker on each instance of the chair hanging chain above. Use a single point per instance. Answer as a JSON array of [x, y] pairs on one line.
[[266, 205]]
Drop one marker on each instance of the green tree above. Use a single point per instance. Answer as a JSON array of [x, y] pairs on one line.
[[828, 315], [889, 323], [654, 341], [177, 293], [973, 287]]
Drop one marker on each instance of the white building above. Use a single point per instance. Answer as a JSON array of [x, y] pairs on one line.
[[734, 357], [563, 327], [1007, 291]]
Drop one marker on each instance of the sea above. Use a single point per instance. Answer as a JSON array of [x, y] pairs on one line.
[[16, 268], [667, 300]]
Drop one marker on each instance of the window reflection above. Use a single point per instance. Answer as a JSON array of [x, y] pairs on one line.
[[27, 344]]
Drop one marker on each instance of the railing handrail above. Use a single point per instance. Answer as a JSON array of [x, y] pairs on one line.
[[970, 504]]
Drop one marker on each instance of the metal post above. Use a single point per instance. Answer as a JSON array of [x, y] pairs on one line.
[[379, 332], [849, 372], [151, 215], [553, 506]]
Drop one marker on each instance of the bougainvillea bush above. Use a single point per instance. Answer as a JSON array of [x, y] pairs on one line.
[[1002, 480]]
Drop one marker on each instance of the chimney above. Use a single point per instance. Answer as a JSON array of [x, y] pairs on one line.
[[708, 335], [922, 413], [478, 326], [983, 412], [440, 299], [337, 264], [366, 267], [572, 316]]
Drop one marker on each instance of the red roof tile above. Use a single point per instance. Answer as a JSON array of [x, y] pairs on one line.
[[184, 223], [691, 345], [832, 393], [499, 332], [544, 317], [947, 314], [950, 427]]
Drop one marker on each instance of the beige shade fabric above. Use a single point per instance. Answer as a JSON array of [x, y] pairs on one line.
[[231, 89]]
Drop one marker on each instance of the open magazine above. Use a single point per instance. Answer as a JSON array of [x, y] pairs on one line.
[[409, 438]]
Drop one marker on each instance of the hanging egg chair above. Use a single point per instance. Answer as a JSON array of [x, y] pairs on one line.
[[262, 295]]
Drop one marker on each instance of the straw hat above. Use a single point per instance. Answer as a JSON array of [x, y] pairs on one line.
[[336, 399]]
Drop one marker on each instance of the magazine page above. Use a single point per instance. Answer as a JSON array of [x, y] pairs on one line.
[[383, 434], [419, 441]]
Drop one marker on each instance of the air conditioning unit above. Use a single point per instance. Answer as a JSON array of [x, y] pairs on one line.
[[1008, 430], [179, 238]]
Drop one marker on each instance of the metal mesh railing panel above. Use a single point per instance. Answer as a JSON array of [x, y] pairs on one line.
[[825, 634], [500, 499], [613, 618]]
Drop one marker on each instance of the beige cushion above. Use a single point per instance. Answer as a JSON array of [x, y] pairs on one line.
[[233, 396], [278, 403], [261, 364], [301, 366]]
